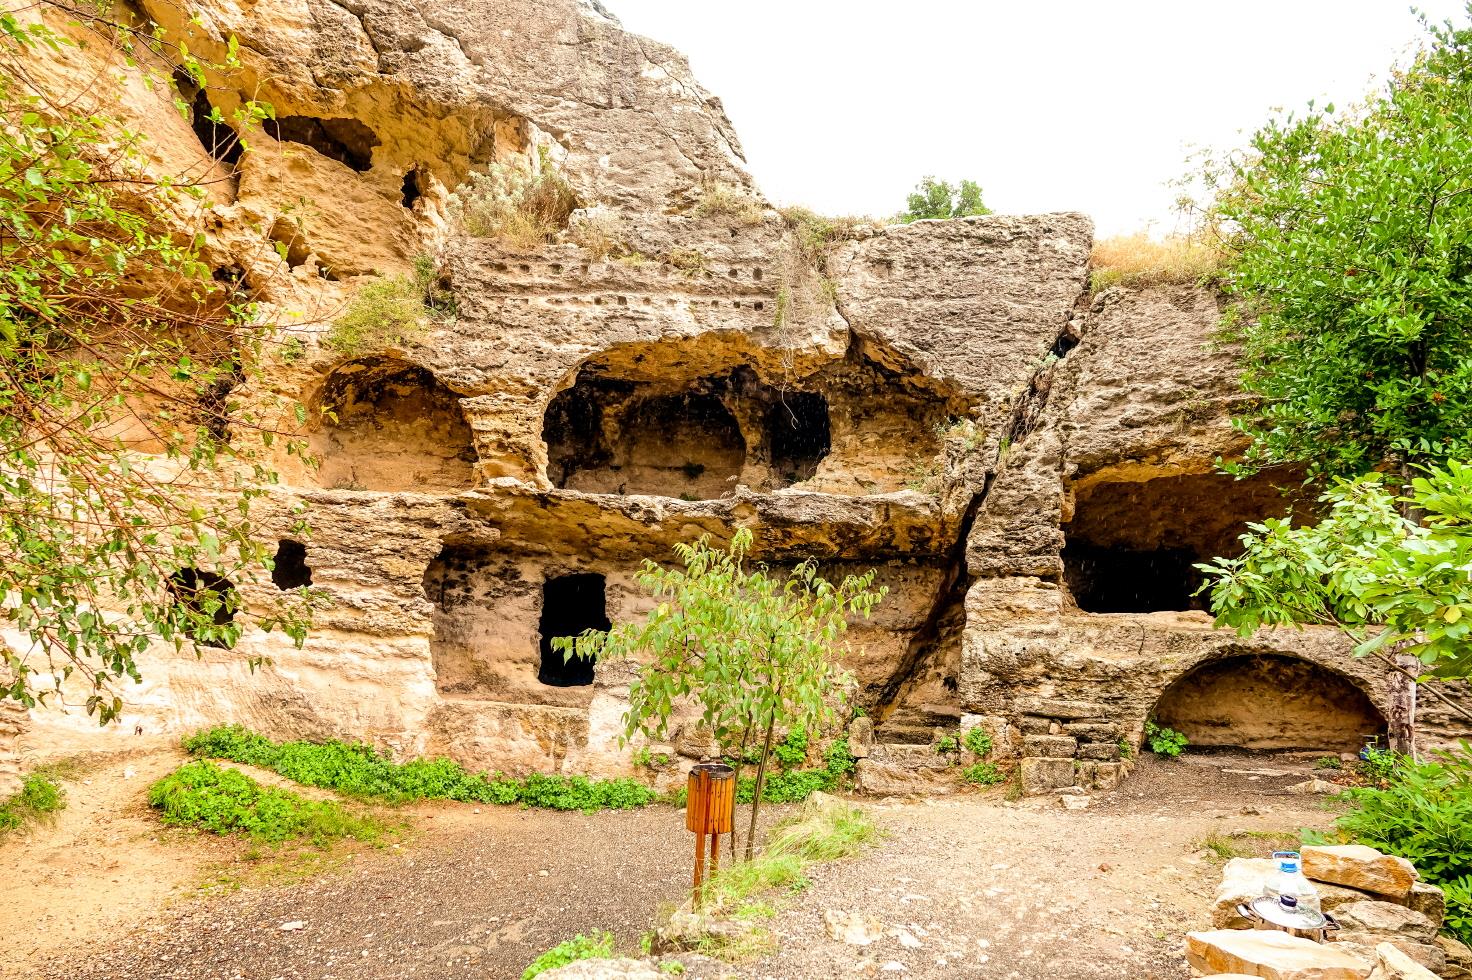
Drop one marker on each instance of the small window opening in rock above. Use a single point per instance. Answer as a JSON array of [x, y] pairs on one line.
[[1269, 702], [798, 434], [411, 191], [1065, 343], [219, 140], [209, 596], [1121, 580], [570, 605], [290, 569], [347, 141], [291, 244]]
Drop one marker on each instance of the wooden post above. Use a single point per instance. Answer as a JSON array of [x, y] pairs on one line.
[[698, 889]]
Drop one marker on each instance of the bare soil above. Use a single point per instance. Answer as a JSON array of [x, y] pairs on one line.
[[972, 886]]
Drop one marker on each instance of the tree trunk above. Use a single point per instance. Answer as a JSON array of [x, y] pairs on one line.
[[761, 782], [740, 763], [1400, 720]]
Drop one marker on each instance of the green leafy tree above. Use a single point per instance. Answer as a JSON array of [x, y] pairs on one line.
[[127, 467], [752, 649], [1350, 241], [1350, 275], [940, 199]]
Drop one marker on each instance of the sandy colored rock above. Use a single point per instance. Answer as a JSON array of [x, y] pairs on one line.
[[1427, 955], [1393, 964], [1358, 866], [1385, 918], [852, 928], [1429, 900], [1458, 958], [1270, 955], [1041, 775]]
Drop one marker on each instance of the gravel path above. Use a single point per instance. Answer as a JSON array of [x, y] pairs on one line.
[[964, 887]]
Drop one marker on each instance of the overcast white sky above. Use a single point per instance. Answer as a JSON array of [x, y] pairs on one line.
[[1052, 105]]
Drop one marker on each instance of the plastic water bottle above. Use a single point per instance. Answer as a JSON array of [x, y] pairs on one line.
[[1288, 887]]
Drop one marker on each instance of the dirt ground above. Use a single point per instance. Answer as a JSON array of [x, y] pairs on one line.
[[970, 886]]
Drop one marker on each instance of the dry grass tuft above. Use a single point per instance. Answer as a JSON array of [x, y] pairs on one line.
[[524, 208], [728, 200], [1139, 260]]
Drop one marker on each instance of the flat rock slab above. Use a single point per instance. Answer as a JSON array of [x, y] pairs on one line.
[[1385, 918], [1270, 955], [1395, 965], [1358, 866]]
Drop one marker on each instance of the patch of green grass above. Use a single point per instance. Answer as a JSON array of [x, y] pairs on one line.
[[224, 801], [362, 771], [39, 797], [1328, 762], [1248, 843], [595, 947]]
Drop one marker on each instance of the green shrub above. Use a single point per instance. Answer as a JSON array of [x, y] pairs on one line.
[[1164, 741], [1423, 814], [792, 750], [1328, 762], [1126, 750], [977, 741], [785, 785], [362, 771], [594, 947], [224, 801], [38, 796], [1377, 764], [983, 774], [947, 744], [390, 311]]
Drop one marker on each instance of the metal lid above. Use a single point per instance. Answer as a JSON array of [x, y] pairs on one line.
[[1271, 910]]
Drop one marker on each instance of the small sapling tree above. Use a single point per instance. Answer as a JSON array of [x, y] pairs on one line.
[[933, 198], [752, 648]]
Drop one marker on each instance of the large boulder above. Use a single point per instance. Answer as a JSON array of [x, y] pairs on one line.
[[1358, 866], [1271, 955], [1458, 959]]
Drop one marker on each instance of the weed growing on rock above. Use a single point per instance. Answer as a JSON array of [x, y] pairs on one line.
[[1164, 741], [38, 797], [391, 311], [718, 198], [362, 771], [977, 741], [947, 744], [224, 801], [983, 774], [598, 946], [523, 207]]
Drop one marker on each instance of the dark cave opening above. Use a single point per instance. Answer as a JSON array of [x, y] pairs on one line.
[[570, 605], [347, 141], [217, 137], [290, 569], [1120, 580], [411, 191], [209, 594], [799, 434]]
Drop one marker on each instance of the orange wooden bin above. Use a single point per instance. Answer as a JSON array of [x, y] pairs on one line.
[[709, 794]]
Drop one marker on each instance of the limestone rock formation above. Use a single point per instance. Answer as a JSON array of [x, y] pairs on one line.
[[1029, 467]]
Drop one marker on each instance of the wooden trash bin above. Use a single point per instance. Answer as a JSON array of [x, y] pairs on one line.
[[710, 793]]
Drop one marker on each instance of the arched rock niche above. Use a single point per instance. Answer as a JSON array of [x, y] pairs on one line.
[[1269, 701], [694, 419], [386, 424]]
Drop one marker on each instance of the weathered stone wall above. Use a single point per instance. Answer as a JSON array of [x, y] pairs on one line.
[[942, 400]]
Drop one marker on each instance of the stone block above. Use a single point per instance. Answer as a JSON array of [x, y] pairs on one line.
[[1099, 751], [1066, 710], [1270, 955], [1049, 746], [1092, 732], [861, 737], [1385, 919], [1428, 956], [1033, 725], [1395, 964], [1042, 775], [1105, 775], [878, 777], [1242, 881], [1429, 900], [1006, 739], [1358, 866], [1458, 959]]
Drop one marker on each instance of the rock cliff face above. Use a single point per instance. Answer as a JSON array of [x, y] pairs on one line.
[[1029, 467]]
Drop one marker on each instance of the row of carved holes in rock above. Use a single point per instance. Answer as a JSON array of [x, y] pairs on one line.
[[643, 300], [557, 268], [195, 589]]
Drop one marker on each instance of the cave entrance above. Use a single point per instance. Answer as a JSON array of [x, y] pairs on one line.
[[1269, 702], [798, 435], [390, 425], [609, 437], [1131, 547], [290, 569], [570, 605]]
